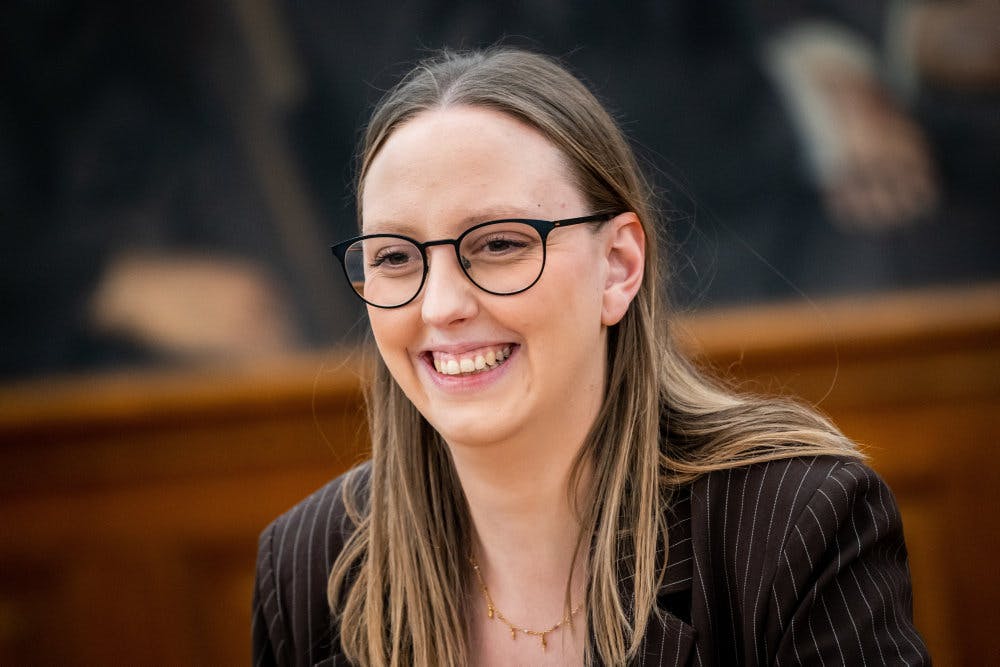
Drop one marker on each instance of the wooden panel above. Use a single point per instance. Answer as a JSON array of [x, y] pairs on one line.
[[130, 504]]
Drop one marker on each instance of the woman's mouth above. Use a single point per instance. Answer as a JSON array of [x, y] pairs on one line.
[[471, 362]]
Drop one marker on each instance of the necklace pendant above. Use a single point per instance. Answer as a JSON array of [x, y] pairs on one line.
[[513, 633], [544, 645]]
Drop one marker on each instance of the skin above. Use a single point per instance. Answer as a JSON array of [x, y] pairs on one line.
[[514, 431]]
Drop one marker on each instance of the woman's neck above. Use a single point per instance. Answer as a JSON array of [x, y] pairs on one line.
[[527, 530]]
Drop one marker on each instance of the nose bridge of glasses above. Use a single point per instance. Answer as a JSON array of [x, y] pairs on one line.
[[447, 288], [454, 243]]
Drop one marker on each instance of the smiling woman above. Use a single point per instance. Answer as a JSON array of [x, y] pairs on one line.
[[551, 481]]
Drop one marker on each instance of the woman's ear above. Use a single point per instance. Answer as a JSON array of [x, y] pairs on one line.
[[626, 256]]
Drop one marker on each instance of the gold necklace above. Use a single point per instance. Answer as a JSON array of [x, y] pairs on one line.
[[492, 611]]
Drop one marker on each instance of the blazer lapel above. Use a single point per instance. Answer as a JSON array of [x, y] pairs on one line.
[[670, 639], [669, 642]]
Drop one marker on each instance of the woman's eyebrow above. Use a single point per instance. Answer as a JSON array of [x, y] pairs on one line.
[[496, 213], [388, 227], [482, 215]]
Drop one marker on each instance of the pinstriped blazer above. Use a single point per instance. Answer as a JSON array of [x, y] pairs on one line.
[[795, 562]]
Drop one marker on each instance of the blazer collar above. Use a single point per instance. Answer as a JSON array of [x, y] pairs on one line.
[[670, 638], [680, 561]]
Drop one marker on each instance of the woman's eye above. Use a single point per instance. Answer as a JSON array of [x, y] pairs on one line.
[[502, 244], [499, 245], [391, 259]]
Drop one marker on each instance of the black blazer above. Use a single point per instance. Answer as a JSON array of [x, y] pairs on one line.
[[794, 562]]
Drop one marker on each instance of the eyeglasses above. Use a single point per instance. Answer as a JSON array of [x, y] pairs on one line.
[[502, 257]]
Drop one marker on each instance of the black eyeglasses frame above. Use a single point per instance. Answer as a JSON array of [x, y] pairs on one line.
[[543, 227]]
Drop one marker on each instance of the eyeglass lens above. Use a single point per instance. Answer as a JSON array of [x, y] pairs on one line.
[[502, 258]]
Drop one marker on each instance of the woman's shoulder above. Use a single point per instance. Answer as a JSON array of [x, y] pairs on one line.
[[786, 488], [785, 479], [295, 553], [803, 542], [776, 504], [315, 529]]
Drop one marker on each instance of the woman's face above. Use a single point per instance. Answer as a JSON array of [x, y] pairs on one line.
[[436, 176]]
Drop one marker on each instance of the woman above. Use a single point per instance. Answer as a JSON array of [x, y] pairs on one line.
[[551, 481]]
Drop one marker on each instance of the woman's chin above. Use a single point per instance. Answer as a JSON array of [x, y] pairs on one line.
[[465, 427]]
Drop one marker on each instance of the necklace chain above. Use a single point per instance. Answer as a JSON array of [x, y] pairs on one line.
[[492, 612]]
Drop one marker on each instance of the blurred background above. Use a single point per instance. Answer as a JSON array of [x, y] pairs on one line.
[[173, 175], [177, 349]]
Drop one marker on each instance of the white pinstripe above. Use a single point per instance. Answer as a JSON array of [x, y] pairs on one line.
[[767, 539], [312, 532], [882, 605], [694, 558], [736, 556], [753, 531], [812, 633], [836, 638]]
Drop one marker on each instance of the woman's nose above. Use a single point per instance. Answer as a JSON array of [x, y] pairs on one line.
[[448, 295]]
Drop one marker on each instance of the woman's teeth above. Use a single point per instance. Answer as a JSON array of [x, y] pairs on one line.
[[476, 361]]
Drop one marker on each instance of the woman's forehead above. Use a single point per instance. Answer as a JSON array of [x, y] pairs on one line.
[[465, 165], [462, 141]]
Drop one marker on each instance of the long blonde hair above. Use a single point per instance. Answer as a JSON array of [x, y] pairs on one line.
[[398, 589]]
